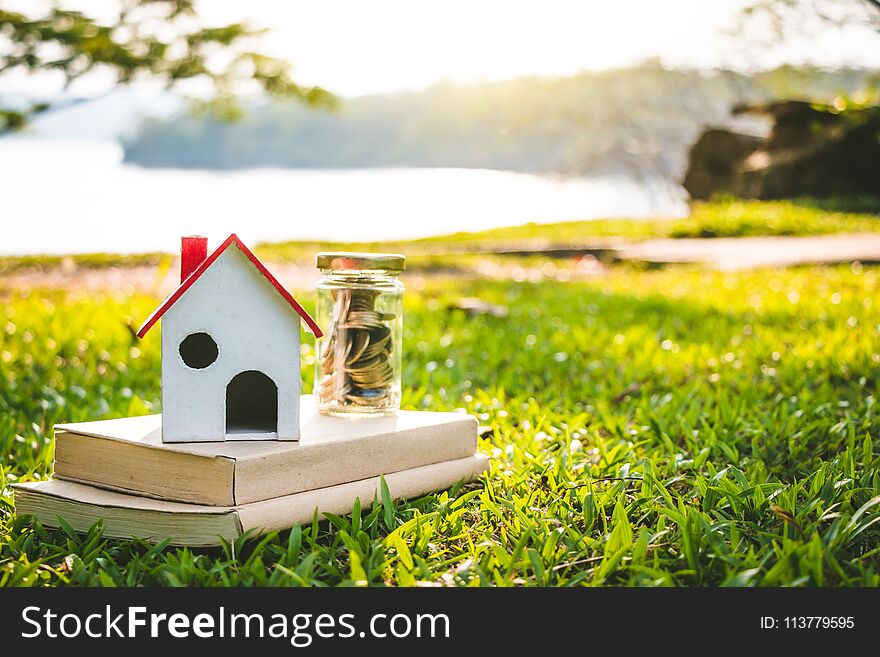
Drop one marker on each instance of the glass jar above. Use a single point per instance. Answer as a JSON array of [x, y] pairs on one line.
[[360, 308]]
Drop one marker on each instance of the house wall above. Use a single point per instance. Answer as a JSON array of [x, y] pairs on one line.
[[254, 328]]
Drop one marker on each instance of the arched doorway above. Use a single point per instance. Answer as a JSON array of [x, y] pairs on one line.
[[251, 403]]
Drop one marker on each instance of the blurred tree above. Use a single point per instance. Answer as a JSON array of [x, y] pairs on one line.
[[157, 39], [765, 24], [786, 17]]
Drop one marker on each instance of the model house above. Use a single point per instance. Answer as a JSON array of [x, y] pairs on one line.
[[230, 348]]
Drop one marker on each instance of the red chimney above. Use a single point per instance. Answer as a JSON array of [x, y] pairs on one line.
[[193, 251]]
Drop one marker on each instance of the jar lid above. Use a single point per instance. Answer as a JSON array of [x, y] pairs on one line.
[[350, 261]]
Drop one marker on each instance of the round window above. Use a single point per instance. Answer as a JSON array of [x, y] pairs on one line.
[[198, 350]]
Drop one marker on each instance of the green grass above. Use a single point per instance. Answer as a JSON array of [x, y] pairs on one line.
[[671, 427], [457, 252], [755, 218], [722, 218], [10, 264]]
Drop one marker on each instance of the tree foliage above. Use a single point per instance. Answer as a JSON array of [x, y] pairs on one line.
[[146, 39], [790, 17]]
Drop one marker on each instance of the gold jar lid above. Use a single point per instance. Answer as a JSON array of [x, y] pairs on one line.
[[353, 261]]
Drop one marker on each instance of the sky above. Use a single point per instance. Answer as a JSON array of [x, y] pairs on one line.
[[354, 47]]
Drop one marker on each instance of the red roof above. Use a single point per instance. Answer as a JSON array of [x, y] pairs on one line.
[[202, 268]]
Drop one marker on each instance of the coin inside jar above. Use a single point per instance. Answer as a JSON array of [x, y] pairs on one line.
[[356, 362], [360, 308]]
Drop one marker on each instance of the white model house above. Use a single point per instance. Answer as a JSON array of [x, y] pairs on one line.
[[230, 348]]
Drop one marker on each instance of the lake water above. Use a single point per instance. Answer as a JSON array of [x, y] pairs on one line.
[[77, 197]]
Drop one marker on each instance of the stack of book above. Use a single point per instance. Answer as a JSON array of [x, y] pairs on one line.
[[196, 494]]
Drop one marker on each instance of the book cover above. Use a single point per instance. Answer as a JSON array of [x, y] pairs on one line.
[[128, 455], [196, 525]]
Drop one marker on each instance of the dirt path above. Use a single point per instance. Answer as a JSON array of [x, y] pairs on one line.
[[149, 280], [727, 254], [730, 254], [128, 280]]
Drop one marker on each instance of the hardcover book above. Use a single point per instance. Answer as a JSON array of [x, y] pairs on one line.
[[128, 455], [197, 525]]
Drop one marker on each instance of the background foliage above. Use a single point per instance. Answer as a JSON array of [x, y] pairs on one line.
[[637, 121]]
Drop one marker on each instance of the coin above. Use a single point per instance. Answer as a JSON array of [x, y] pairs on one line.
[[356, 358]]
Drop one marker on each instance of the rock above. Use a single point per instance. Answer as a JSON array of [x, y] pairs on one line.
[[812, 150], [713, 161]]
